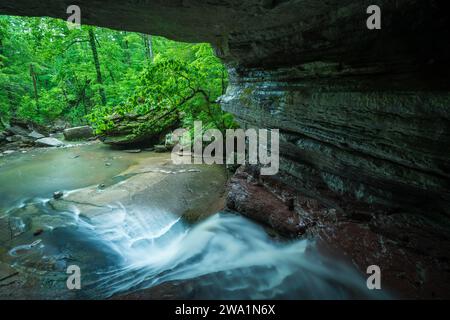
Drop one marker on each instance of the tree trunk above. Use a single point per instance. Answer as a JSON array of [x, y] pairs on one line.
[[101, 90], [126, 48], [148, 46], [33, 77]]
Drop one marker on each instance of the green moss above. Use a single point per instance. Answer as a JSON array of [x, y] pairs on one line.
[[246, 96]]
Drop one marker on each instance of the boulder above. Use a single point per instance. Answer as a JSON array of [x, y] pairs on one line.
[[146, 130], [78, 133], [35, 135], [20, 141], [169, 141], [15, 138], [253, 200], [48, 142], [132, 150]]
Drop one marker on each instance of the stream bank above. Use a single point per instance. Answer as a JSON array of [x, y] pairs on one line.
[[95, 181], [139, 226]]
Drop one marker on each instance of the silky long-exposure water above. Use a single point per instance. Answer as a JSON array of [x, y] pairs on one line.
[[235, 257], [126, 248]]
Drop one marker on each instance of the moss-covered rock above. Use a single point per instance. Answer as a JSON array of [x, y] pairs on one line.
[[147, 130]]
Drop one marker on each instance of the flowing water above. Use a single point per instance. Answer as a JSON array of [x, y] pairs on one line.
[[123, 250], [40, 172]]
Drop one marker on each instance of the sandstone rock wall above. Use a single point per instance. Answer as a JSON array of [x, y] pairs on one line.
[[352, 135]]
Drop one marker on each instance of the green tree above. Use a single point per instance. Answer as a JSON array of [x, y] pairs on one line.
[[49, 72]]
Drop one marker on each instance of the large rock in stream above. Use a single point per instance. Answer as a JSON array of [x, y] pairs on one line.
[[20, 134], [35, 135], [49, 142], [154, 183], [24, 127], [140, 130], [78, 133]]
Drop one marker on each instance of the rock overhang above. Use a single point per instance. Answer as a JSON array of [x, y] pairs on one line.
[[272, 33]]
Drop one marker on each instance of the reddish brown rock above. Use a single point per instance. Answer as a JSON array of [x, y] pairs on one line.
[[412, 250], [250, 198]]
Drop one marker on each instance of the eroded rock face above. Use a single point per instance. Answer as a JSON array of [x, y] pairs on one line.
[[78, 133], [344, 137], [249, 197]]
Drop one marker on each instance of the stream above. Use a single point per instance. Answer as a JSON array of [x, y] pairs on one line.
[[127, 221]]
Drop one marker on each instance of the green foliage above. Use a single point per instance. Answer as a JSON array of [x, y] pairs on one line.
[[184, 79]]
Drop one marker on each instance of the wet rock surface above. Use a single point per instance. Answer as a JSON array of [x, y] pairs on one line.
[[40, 238], [247, 196], [20, 134], [78, 133], [153, 183], [403, 245], [412, 249], [133, 130], [24, 135], [49, 142]]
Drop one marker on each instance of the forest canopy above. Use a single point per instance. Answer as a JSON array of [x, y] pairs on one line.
[[93, 75]]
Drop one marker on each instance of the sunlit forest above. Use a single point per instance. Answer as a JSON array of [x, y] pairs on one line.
[[90, 75]]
